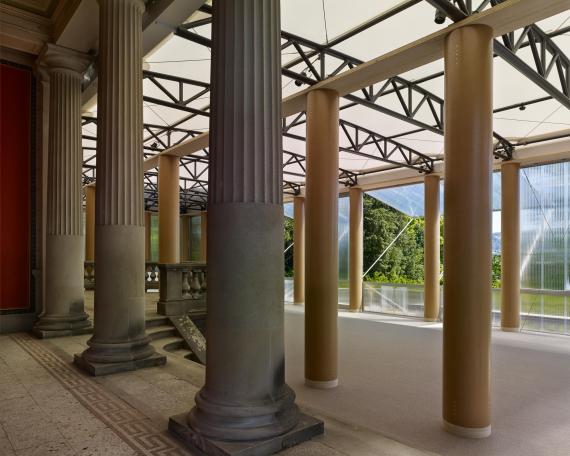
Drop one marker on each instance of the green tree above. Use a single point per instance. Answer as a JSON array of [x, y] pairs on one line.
[[288, 227]]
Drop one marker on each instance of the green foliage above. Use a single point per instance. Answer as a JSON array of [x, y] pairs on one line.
[[403, 262], [288, 227], [496, 278]]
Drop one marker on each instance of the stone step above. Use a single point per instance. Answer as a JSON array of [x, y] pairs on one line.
[[157, 321], [184, 352], [172, 343], [161, 332]]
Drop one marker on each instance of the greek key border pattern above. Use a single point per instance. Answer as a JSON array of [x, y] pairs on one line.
[[134, 428]]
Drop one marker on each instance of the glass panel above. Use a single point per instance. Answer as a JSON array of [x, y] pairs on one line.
[[343, 245], [195, 236], [545, 221], [154, 237]]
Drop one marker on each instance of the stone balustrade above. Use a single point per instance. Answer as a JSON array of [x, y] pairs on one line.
[[151, 275], [182, 288]]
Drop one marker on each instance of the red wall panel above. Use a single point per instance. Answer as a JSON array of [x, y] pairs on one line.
[[15, 185]]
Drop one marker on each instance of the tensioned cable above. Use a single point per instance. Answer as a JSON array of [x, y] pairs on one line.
[[325, 20]]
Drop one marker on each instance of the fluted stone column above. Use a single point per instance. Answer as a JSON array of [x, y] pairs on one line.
[[321, 231], [119, 341], [168, 209], [89, 222], [245, 397], [147, 227], [203, 236], [64, 312], [184, 237], [356, 248], [299, 250], [510, 247], [467, 224], [431, 247]]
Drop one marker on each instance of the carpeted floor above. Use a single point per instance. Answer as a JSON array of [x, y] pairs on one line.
[[390, 382]]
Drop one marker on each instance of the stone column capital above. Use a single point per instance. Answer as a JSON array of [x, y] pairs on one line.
[[137, 3], [59, 58]]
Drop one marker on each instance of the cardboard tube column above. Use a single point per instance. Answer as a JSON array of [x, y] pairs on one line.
[[356, 246], [168, 209], [510, 248], [467, 231], [299, 250], [431, 247], [321, 231]]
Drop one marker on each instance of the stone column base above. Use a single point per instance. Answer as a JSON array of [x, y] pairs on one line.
[[96, 369], [49, 334], [307, 428]]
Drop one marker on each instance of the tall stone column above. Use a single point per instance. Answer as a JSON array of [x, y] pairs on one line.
[[119, 341], [147, 227], [203, 236], [64, 312], [184, 237], [431, 247], [245, 398], [321, 231], [299, 250], [356, 248], [89, 222], [510, 247], [168, 209], [467, 261]]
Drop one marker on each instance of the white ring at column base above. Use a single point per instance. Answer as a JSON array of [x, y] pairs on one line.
[[469, 432], [507, 329], [354, 310], [327, 384]]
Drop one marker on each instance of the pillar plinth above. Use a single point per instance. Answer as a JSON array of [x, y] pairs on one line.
[[64, 312], [89, 222], [356, 246], [168, 209], [245, 398], [431, 247], [119, 341], [510, 247], [299, 250], [467, 224], [321, 231]]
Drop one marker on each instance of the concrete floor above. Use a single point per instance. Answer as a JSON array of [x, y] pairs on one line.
[[390, 392]]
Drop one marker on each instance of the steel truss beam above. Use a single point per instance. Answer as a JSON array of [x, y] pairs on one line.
[[547, 56], [315, 58]]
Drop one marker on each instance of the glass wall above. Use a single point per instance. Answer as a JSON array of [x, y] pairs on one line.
[[154, 237], [195, 237], [545, 221]]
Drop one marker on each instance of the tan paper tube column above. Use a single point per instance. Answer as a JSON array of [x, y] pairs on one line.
[[89, 222], [510, 247], [168, 209], [299, 250], [467, 231], [356, 247], [431, 247], [321, 231]]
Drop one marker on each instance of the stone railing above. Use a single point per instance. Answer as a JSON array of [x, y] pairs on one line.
[[182, 288], [151, 275]]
